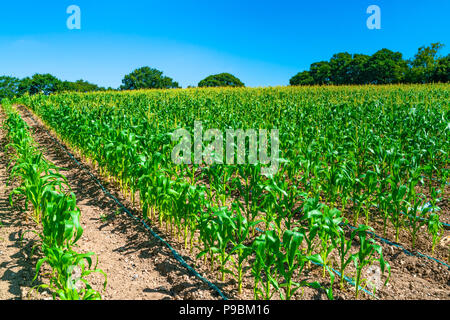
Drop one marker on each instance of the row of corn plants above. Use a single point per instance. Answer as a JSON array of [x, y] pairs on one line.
[[54, 212], [367, 155]]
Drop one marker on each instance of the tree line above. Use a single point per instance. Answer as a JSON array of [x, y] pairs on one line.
[[11, 87], [142, 78], [383, 67]]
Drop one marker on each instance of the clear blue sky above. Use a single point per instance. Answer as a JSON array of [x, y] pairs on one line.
[[262, 42]]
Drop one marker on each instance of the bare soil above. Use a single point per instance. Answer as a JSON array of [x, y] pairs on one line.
[[16, 267]]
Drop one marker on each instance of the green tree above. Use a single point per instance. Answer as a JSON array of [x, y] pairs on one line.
[[79, 86], [221, 80], [426, 60], [385, 67], [442, 70], [320, 72], [340, 68], [147, 78], [39, 84], [302, 79], [358, 69], [9, 87]]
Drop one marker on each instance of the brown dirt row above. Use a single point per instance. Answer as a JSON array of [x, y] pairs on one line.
[[16, 270]]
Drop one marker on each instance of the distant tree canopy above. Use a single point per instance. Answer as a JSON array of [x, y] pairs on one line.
[[9, 87], [147, 78], [221, 80], [383, 67], [79, 86], [442, 70], [304, 78], [427, 66], [48, 84], [40, 84]]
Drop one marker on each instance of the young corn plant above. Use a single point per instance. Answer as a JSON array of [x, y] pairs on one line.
[[370, 185], [62, 283], [238, 240], [317, 259], [416, 218], [264, 268], [290, 260], [61, 225], [435, 228], [37, 178], [328, 224], [397, 205], [272, 208], [311, 216], [195, 203], [343, 246], [248, 183], [226, 228], [358, 196], [209, 235], [368, 253]]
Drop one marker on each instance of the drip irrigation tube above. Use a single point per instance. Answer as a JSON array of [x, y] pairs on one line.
[[417, 253], [153, 233], [349, 280], [426, 205], [434, 179]]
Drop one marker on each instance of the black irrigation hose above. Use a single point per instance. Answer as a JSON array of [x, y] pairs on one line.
[[176, 255], [427, 205], [415, 254]]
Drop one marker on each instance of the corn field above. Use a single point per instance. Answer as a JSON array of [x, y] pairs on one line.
[[350, 159]]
